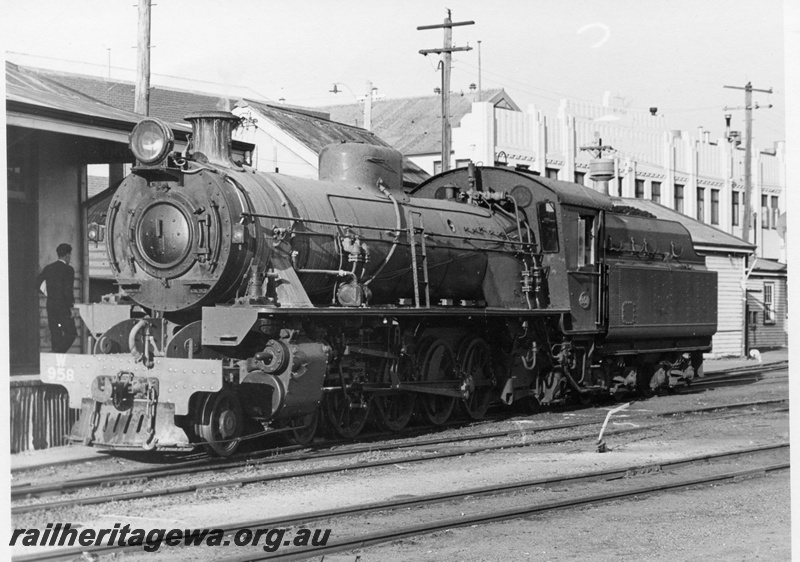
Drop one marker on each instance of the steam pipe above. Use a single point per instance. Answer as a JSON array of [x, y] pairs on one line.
[[396, 231]]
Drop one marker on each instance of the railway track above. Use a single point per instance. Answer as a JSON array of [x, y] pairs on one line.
[[741, 375], [391, 534], [137, 478], [200, 462]]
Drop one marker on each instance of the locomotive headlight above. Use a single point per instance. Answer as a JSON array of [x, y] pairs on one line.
[[151, 141]]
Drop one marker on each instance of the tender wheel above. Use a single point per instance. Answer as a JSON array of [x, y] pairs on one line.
[[394, 411], [304, 429], [220, 423], [650, 379], [476, 368], [438, 364], [345, 418]]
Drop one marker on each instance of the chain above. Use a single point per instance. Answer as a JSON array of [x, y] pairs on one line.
[[152, 401], [94, 423]]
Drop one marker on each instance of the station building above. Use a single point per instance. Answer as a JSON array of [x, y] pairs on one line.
[[54, 135]]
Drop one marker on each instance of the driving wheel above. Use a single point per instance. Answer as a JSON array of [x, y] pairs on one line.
[[438, 364], [346, 417], [476, 370]]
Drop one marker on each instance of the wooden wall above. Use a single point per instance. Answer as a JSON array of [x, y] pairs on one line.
[[729, 339], [763, 335]]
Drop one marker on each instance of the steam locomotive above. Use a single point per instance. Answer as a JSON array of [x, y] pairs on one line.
[[256, 301]]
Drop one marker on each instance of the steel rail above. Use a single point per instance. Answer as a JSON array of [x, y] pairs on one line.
[[433, 499], [736, 378], [718, 376], [238, 482], [140, 476], [373, 539]]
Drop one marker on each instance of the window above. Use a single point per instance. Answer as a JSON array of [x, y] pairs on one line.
[[715, 206], [579, 177], [619, 187], [775, 211], [585, 240], [551, 173], [656, 188], [701, 203], [769, 303], [639, 189], [764, 212], [548, 227], [462, 163], [437, 167], [679, 198], [735, 208]]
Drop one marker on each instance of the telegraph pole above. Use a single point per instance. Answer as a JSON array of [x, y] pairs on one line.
[[748, 141], [368, 107], [142, 98], [480, 85], [446, 52]]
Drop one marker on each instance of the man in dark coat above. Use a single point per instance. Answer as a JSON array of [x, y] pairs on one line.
[[58, 277]]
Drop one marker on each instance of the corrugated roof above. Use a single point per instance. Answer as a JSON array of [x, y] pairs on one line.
[[312, 131], [316, 132], [114, 99], [702, 233], [770, 266], [414, 125], [168, 104], [31, 88]]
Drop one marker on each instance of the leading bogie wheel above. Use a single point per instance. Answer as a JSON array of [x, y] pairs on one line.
[[304, 429], [220, 422]]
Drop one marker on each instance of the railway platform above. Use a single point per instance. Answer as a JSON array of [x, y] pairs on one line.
[[56, 456]]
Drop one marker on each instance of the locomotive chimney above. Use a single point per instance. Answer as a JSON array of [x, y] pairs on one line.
[[211, 135]]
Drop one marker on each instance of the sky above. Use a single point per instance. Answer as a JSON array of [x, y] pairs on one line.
[[676, 55]]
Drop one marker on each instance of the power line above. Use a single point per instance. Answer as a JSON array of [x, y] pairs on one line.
[[155, 74], [558, 96]]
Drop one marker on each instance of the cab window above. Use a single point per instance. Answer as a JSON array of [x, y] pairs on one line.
[[586, 245], [548, 226]]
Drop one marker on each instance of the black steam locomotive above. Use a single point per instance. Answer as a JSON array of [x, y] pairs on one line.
[[265, 300]]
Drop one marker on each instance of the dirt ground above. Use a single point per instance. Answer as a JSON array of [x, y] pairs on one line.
[[747, 520]]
